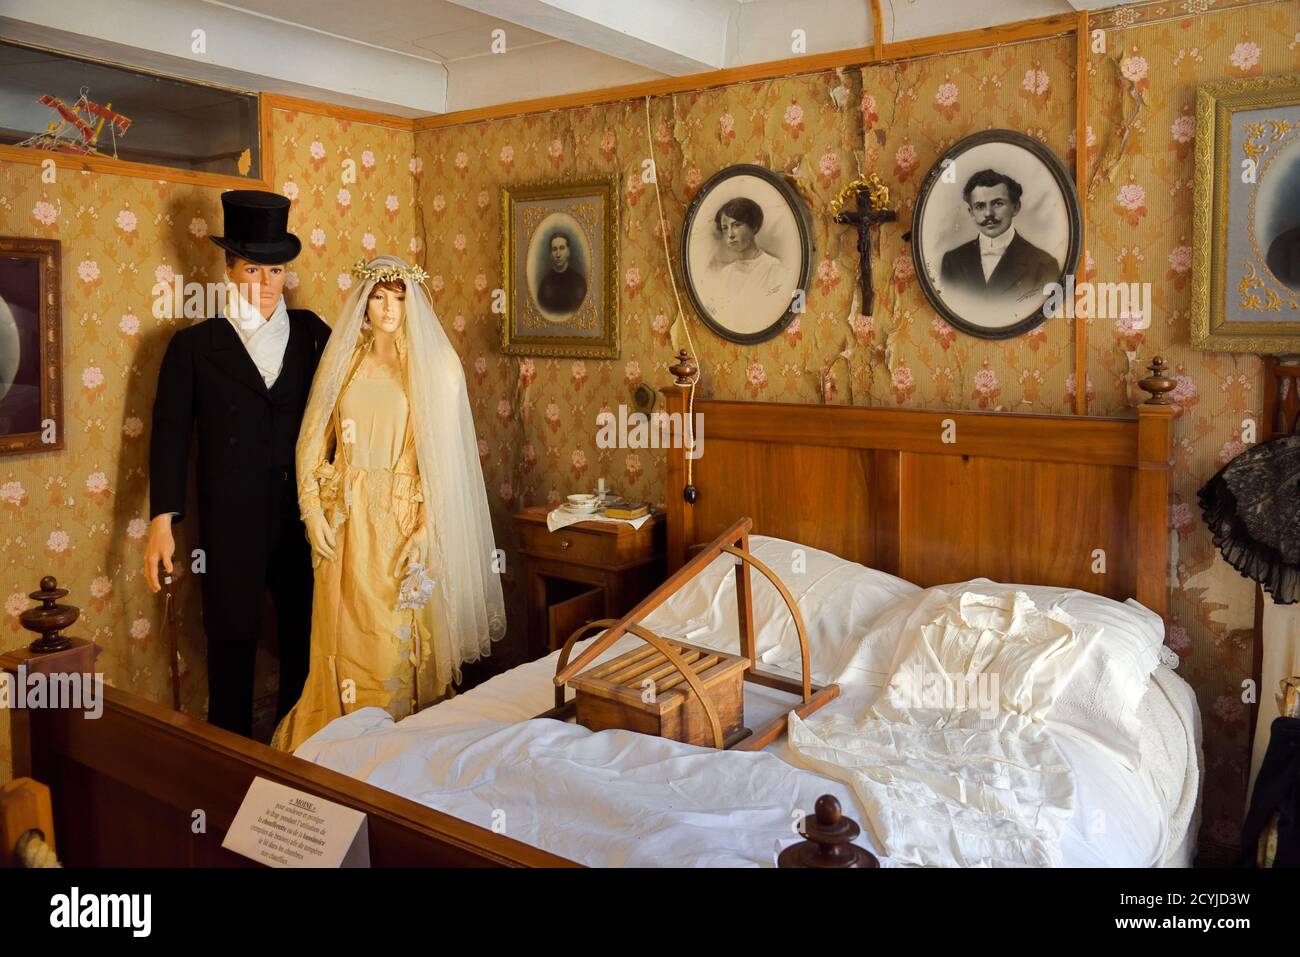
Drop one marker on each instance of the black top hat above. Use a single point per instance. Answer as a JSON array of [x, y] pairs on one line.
[[257, 227]]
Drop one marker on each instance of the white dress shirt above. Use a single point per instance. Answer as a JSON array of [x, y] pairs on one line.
[[1023, 655], [991, 250], [265, 339]]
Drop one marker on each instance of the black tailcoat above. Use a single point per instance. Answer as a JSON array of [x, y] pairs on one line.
[[249, 528], [1024, 269]]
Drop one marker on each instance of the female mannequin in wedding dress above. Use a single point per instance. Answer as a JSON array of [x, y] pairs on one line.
[[392, 495]]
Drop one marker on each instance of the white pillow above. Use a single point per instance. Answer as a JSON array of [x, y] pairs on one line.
[[838, 600], [1102, 697]]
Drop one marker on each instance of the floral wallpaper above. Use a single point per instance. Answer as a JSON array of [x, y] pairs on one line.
[[434, 197], [82, 514]]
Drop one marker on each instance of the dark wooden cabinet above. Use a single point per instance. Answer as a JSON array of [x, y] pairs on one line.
[[583, 572]]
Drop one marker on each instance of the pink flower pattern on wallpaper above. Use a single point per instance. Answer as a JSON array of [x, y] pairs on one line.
[[793, 119], [864, 329], [902, 384], [726, 128], [1245, 58], [1133, 68], [946, 99], [986, 386], [828, 169], [869, 115], [905, 161], [1036, 87], [943, 333], [1131, 203], [44, 213]]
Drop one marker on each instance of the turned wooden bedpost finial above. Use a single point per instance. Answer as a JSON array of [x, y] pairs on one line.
[[684, 369], [50, 618], [828, 840], [1157, 383]]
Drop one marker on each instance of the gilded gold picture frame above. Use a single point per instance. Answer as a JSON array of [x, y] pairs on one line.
[[559, 269], [1247, 174], [31, 361]]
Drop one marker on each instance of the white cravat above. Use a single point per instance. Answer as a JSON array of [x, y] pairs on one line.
[[265, 339], [991, 250]]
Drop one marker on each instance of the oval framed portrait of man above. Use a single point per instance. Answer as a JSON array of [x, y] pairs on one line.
[[996, 231], [747, 251]]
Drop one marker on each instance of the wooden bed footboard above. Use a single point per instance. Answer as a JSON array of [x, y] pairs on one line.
[[144, 786]]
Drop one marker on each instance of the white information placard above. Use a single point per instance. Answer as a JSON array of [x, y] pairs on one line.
[[283, 827]]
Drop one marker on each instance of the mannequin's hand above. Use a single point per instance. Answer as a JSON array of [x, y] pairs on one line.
[[416, 550], [161, 548], [321, 536]]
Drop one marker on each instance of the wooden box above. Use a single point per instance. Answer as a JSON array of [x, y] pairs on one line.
[[643, 691]]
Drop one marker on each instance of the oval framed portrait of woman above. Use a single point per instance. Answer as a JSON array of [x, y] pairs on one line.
[[747, 252], [997, 229]]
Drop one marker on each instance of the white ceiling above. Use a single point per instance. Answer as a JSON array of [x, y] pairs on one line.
[[419, 57]]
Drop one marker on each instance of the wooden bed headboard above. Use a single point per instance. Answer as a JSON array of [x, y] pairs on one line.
[[939, 496]]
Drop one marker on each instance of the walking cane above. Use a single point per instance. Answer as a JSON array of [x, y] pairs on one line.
[[173, 648]]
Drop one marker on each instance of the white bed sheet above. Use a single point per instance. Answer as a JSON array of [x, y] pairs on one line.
[[1121, 819]]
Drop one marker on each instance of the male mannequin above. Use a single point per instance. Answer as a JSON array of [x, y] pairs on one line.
[[240, 380]]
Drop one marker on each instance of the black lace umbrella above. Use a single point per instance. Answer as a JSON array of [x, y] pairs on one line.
[[1252, 508]]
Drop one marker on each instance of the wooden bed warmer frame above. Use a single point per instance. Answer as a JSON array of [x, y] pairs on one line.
[[931, 496]]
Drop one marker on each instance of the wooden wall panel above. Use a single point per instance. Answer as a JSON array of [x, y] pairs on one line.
[[819, 495], [1015, 521], [939, 496]]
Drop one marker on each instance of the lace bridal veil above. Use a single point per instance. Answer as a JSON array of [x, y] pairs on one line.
[[467, 595]]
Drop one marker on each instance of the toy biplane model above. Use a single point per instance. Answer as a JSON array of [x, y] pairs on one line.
[[79, 126]]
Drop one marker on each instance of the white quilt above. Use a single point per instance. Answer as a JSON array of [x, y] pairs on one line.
[[625, 799], [989, 795], [615, 798], [605, 799], [611, 799]]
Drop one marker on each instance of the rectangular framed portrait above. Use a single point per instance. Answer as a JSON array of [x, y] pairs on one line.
[[31, 374], [559, 261], [1246, 216]]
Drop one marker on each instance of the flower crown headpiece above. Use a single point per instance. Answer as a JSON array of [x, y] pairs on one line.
[[412, 274]]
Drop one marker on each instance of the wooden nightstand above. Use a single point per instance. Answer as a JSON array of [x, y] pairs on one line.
[[585, 571]]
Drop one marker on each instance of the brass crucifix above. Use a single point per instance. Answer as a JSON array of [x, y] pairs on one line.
[[873, 209]]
